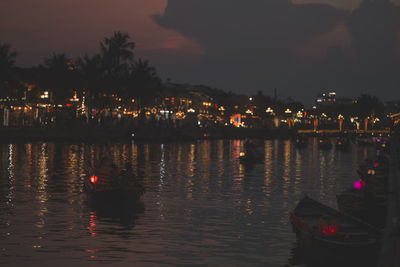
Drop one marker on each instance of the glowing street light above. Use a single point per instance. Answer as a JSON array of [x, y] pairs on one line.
[[45, 95], [299, 114]]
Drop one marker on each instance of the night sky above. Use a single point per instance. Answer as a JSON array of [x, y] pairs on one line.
[[300, 47]]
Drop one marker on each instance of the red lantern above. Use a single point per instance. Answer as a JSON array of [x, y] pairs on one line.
[[94, 179], [330, 229]]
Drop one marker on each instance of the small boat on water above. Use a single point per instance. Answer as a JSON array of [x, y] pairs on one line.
[[323, 228], [251, 154], [375, 173], [300, 141], [112, 186], [366, 140], [250, 157], [356, 202], [343, 143], [324, 143]]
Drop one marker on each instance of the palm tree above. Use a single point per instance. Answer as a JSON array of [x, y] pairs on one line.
[[59, 75], [57, 62], [145, 81], [7, 61], [92, 72], [117, 53], [7, 58]]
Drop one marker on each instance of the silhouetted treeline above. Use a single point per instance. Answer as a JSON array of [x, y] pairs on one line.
[[113, 70]]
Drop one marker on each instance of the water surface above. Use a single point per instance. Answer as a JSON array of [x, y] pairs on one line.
[[202, 207]]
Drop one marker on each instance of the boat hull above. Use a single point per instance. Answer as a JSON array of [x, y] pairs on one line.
[[353, 240]]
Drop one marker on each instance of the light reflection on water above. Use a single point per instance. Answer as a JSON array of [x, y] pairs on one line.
[[201, 206]]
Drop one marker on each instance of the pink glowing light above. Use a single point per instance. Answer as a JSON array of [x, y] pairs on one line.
[[359, 185]]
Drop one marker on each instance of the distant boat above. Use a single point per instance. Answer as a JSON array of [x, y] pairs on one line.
[[300, 141], [251, 154], [365, 140], [343, 143], [383, 144], [324, 143]]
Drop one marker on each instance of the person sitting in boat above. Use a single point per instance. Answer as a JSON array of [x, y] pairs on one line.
[[126, 175], [107, 173]]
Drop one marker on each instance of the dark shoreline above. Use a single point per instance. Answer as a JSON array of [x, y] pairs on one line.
[[148, 134]]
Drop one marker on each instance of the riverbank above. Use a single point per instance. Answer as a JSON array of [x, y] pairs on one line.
[[147, 133]]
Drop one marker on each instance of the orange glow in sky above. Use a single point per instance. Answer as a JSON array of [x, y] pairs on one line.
[[37, 28]]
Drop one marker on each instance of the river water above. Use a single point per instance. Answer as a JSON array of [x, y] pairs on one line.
[[201, 207]]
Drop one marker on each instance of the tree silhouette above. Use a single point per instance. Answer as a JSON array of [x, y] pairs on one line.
[[59, 76], [145, 81], [7, 61], [91, 74], [368, 105], [117, 53]]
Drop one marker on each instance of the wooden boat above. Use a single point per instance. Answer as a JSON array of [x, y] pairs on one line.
[[365, 140], [300, 141], [251, 154], [375, 173], [360, 204], [320, 227], [115, 187], [343, 143], [324, 143]]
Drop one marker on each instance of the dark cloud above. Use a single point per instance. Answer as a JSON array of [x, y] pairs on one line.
[[374, 27], [248, 27], [255, 45], [251, 43]]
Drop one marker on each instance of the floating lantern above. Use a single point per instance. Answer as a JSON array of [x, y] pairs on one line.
[[94, 179], [359, 185]]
